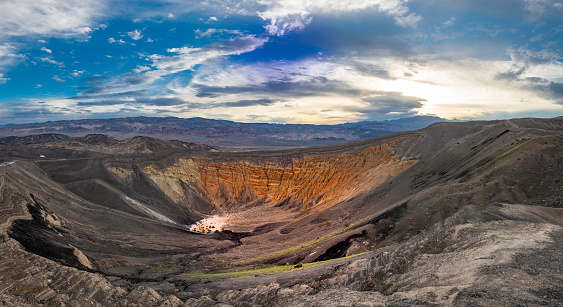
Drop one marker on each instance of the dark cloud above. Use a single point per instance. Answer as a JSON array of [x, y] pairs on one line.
[[319, 86], [172, 101], [499, 7], [250, 103], [358, 33], [556, 89], [92, 90], [30, 112], [371, 70], [511, 74], [535, 80], [436, 10], [393, 102], [175, 101], [33, 113], [159, 101], [99, 85], [88, 95], [551, 90], [100, 103], [93, 79], [138, 79], [388, 103], [206, 95], [545, 88]]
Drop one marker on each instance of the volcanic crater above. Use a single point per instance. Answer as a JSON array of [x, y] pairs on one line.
[[153, 221]]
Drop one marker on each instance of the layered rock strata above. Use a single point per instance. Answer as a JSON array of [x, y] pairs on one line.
[[325, 179]]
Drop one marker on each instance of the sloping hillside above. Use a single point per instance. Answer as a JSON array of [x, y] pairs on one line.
[[389, 203]]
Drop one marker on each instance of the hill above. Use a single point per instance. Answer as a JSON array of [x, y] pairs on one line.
[[462, 213], [222, 133], [62, 146]]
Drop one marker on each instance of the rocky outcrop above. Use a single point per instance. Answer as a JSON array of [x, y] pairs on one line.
[[325, 179], [120, 172], [174, 180]]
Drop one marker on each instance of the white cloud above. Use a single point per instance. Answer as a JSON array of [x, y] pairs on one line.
[[155, 57], [410, 21], [135, 35], [187, 57], [262, 72], [51, 61], [44, 19], [284, 16], [56, 78], [211, 31], [281, 23], [212, 18], [150, 40], [523, 56], [3, 78], [205, 33], [538, 8], [39, 86], [140, 69], [7, 56], [77, 73], [69, 18], [112, 40], [449, 22]]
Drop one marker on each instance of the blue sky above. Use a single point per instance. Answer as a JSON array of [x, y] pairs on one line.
[[314, 61]]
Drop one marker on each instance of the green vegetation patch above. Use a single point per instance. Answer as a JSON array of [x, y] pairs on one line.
[[511, 150], [263, 271], [498, 159]]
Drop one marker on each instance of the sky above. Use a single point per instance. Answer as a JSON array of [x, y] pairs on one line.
[[286, 61]]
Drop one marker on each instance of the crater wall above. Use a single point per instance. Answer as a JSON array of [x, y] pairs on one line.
[[319, 181]]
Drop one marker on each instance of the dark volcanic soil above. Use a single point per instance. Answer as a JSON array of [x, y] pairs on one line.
[[453, 214]]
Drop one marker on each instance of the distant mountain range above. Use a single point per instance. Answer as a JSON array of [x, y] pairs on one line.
[[19, 146], [223, 133]]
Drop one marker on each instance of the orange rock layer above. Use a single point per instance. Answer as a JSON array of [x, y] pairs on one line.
[[325, 179], [334, 177]]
